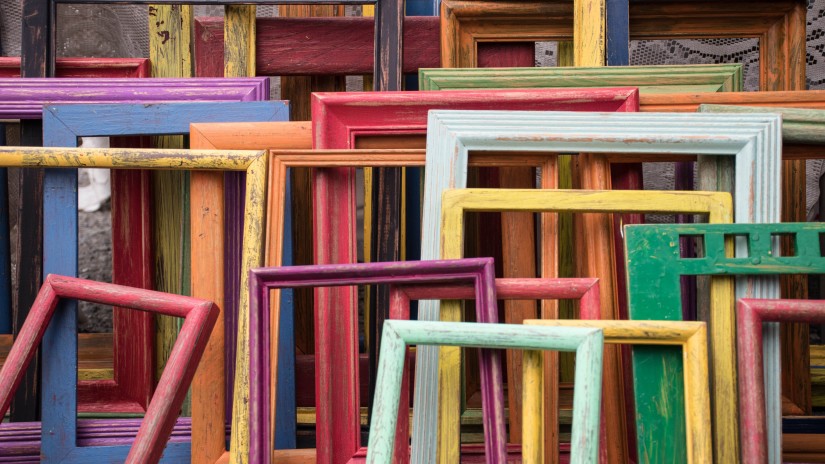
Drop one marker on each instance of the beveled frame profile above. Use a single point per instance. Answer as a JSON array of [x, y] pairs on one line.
[[338, 441], [456, 202], [587, 343], [754, 144]]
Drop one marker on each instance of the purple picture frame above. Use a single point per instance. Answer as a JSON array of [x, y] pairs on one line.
[[342, 440]]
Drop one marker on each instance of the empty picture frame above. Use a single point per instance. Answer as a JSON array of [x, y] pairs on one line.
[[755, 144], [340, 436], [750, 316], [691, 336], [375, 120], [51, 313], [280, 161], [649, 252], [458, 201], [585, 290], [24, 99], [62, 402], [779, 26], [134, 355], [218, 383], [587, 343]]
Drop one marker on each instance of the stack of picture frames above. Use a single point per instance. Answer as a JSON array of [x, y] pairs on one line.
[[132, 383]]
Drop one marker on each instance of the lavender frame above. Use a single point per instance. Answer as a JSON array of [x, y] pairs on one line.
[[481, 271]]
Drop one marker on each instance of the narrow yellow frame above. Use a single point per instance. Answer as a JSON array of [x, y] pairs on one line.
[[691, 336], [455, 202], [205, 227]]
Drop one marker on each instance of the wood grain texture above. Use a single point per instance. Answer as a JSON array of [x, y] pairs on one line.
[[588, 344], [84, 67], [479, 271], [161, 415], [454, 133], [762, 260], [63, 125], [691, 337]]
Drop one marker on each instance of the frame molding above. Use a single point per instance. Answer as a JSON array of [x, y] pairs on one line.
[[156, 427], [336, 443], [84, 67], [754, 143], [756, 258], [133, 382], [252, 162], [587, 343]]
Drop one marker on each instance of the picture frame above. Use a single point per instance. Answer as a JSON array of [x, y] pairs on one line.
[[203, 236], [84, 67], [586, 290], [348, 120], [453, 134], [24, 99], [155, 429], [690, 336], [753, 258], [456, 202], [587, 343], [343, 439]]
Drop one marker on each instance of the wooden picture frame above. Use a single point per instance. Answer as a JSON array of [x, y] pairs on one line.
[[84, 67], [24, 99], [751, 314], [67, 67], [206, 235], [364, 119], [337, 440], [134, 352], [457, 201], [586, 290], [155, 429], [587, 343], [690, 336], [453, 134], [779, 26], [757, 257]]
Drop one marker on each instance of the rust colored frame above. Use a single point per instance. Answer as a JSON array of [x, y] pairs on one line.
[[84, 67]]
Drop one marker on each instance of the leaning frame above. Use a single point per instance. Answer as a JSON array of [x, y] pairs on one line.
[[779, 26], [156, 427], [457, 201], [758, 258], [205, 235], [755, 144], [691, 336], [342, 442], [62, 126], [587, 343]]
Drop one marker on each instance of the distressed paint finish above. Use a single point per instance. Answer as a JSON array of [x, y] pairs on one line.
[[690, 336], [24, 99], [584, 290], [343, 441], [458, 201], [63, 125], [452, 134], [253, 162], [161, 415], [587, 343], [650, 253], [751, 315], [318, 53], [84, 67], [216, 384], [649, 79]]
